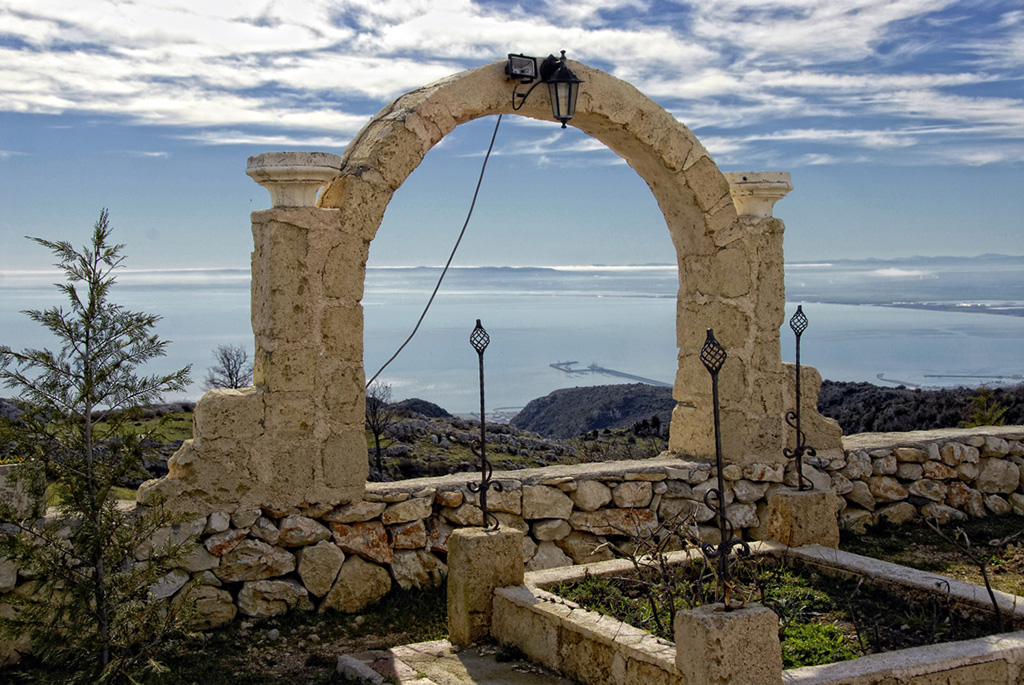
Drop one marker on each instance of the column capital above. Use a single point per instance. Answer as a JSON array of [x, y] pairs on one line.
[[293, 178], [755, 192]]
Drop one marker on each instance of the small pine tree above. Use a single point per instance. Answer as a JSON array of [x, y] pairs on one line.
[[92, 606], [985, 410]]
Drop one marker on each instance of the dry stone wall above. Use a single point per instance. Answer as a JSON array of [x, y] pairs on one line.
[[262, 562]]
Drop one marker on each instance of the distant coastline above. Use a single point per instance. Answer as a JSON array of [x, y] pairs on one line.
[[961, 308]]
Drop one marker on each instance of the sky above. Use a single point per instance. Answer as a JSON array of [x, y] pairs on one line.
[[901, 122]]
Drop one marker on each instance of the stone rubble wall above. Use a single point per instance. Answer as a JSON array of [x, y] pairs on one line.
[[263, 562]]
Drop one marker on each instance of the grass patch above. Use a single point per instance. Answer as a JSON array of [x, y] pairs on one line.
[[917, 546], [822, 619]]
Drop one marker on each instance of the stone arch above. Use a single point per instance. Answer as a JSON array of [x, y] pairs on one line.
[[296, 437]]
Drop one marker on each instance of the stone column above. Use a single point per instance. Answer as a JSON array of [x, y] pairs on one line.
[[479, 561], [295, 438]]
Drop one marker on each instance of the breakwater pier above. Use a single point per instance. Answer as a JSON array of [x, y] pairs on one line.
[[570, 369]]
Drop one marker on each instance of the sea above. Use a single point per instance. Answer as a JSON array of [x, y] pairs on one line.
[[918, 322]]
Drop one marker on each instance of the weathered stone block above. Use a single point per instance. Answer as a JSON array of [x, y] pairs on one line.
[[254, 560], [543, 502], [632, 495], [414, 509], [369, 540], [803, 517], [478, 562], [591, 495], [356, 512], [411, 535], [300, 531], [319, 565], [359, 584], [548, 555], [739, 647], [417, 568], [263, 598], [997, 476]]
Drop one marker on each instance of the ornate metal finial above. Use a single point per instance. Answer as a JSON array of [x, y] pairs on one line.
[[480, 340], [798, 324], [713, 356]]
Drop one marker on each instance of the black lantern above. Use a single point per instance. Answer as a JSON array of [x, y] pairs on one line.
[[563, 85]]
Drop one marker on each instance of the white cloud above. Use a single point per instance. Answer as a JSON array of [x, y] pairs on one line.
[[762, 76]]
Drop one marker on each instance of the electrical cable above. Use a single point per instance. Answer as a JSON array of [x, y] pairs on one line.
[[444, 271]]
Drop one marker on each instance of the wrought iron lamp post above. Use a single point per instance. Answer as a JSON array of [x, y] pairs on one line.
[[798, 324], [480, 340], [713, 356]]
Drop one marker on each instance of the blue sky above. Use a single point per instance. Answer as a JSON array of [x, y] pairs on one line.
[[902, 121]]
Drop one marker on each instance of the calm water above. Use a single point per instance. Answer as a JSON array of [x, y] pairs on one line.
[[618, 318]]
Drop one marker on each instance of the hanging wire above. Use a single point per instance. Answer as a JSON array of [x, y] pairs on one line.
[[437, 287]]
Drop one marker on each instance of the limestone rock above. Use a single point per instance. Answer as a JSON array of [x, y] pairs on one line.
[[997, 505], [529, 548], [301, 531], [214, 607], [356, 512], [941, 513], [884, 466], [217, 522], [199, 560], [464, 515], [319, 565], [748, 492], [254, 560], [417, 568], [732, 472], [967, 472], [860, 494], [220, 544], [1017, 502], [8, 575], [841, 485], [438, 532], [764, 473], [858, 466], [886, 489], [417, 508], [676, 511], [368, 539], [548, 555], [410, 535], [821, 481], [245, 517], [910, 454], [545, 530], [911, 471], [929, 489], [448, 498], [997, 476], [508, 500], [263, 598], [266, 530], [632, 494], [584, 548], [169, 584], [359, 584], [675, 489], [591, 495], [543, 502], [994, 447], [898, 514], [742, 515], [856, 520], [937, 471], [511, 521], [614, 521]]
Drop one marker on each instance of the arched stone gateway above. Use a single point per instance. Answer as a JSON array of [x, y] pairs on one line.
[[296, 438]]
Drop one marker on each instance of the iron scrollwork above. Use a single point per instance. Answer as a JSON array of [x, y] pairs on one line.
[[798, 324], [480, 340], [713, 356]]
